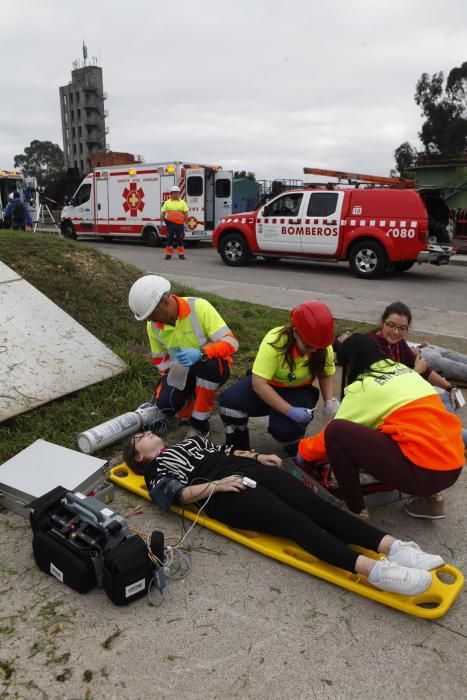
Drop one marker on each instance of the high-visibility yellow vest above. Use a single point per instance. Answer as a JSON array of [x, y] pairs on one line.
[[175, 210], [199, 325]]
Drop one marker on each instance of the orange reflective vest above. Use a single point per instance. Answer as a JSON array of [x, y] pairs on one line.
[[175, 217]]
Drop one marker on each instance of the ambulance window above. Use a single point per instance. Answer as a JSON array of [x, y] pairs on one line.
[[194, 186], [82, 194], [322, 204], [287, 205], [223, 188]]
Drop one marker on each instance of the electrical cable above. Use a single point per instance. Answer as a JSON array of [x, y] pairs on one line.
[[203, 506]]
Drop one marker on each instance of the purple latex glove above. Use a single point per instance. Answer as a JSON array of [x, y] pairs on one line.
[[300, 415]]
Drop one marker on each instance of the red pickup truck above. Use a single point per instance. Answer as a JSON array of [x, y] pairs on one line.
[[377, 230]]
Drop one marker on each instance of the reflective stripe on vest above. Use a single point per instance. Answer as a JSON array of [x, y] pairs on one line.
[[175, 217], [195, 324]]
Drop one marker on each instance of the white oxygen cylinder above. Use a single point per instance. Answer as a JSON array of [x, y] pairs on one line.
[[116, 429]]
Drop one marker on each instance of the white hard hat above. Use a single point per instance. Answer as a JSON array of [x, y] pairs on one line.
[[145, 295], [11, 195], [175, 188]]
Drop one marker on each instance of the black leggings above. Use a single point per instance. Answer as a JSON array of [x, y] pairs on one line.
[[280, 505]]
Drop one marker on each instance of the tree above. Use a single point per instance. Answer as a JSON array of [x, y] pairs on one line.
[[239, 174], [42, 159], [405, 157], [444, 106]]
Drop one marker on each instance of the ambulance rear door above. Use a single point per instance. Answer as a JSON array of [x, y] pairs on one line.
[[167, 182], [198, 202], [222, 195]]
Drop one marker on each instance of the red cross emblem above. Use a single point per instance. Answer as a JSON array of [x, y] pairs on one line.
[[192, 223], [133, 197]]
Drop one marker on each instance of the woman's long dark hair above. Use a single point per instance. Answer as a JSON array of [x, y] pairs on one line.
[[317, 359], [356, 355], [129, 456]]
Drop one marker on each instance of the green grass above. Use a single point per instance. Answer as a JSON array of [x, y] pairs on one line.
[[93, 289]]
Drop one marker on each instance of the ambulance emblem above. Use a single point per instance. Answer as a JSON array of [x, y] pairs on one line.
[[133, 197], [192, 223]]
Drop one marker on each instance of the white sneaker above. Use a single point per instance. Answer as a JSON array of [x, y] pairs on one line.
[[398, 579], [410, 555]]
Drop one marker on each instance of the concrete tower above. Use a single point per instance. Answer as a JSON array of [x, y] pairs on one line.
[[83, 114]]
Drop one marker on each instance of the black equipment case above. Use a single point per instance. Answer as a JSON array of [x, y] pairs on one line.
[[83, 543]]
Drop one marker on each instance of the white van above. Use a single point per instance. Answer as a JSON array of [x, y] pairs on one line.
[[124, 201]]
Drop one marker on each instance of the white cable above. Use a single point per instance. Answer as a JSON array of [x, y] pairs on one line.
[[197, 518]]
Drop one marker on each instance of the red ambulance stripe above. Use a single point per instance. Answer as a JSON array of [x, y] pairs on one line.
[[182, 183]]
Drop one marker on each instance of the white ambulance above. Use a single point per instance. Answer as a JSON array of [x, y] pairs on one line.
[[14, 181], [124, 201]]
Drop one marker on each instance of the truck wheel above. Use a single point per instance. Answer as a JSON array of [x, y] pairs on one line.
[[151, 238], [367, 259], [402, 266], [68, 230], [234, 250]]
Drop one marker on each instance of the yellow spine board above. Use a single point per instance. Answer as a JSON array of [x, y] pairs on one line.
[[434, 603]]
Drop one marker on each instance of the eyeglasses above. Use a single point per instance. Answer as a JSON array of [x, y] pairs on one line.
[[395, 327], [136, 438]]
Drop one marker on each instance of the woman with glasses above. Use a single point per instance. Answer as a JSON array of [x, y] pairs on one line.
[[391, 424], [280, 385], [390, 339]]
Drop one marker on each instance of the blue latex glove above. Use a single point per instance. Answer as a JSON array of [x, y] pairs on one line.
[[300, 415], [188, 356]]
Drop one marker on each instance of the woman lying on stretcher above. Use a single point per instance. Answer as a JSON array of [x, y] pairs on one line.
[[198, 471]]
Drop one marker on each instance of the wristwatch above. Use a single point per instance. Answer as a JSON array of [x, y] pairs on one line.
[[203, 356], [450, 388]]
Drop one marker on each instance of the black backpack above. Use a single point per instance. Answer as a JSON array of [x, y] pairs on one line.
[[17, 213]]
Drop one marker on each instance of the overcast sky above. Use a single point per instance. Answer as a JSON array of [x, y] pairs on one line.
[[258, 85]]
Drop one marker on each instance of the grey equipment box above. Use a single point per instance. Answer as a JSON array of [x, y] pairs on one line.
[[42, 466]]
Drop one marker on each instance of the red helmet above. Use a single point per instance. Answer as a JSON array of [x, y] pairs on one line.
[[314, 323]]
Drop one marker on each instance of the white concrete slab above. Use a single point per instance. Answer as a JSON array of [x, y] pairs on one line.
[[7, 274], [44, 352]]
